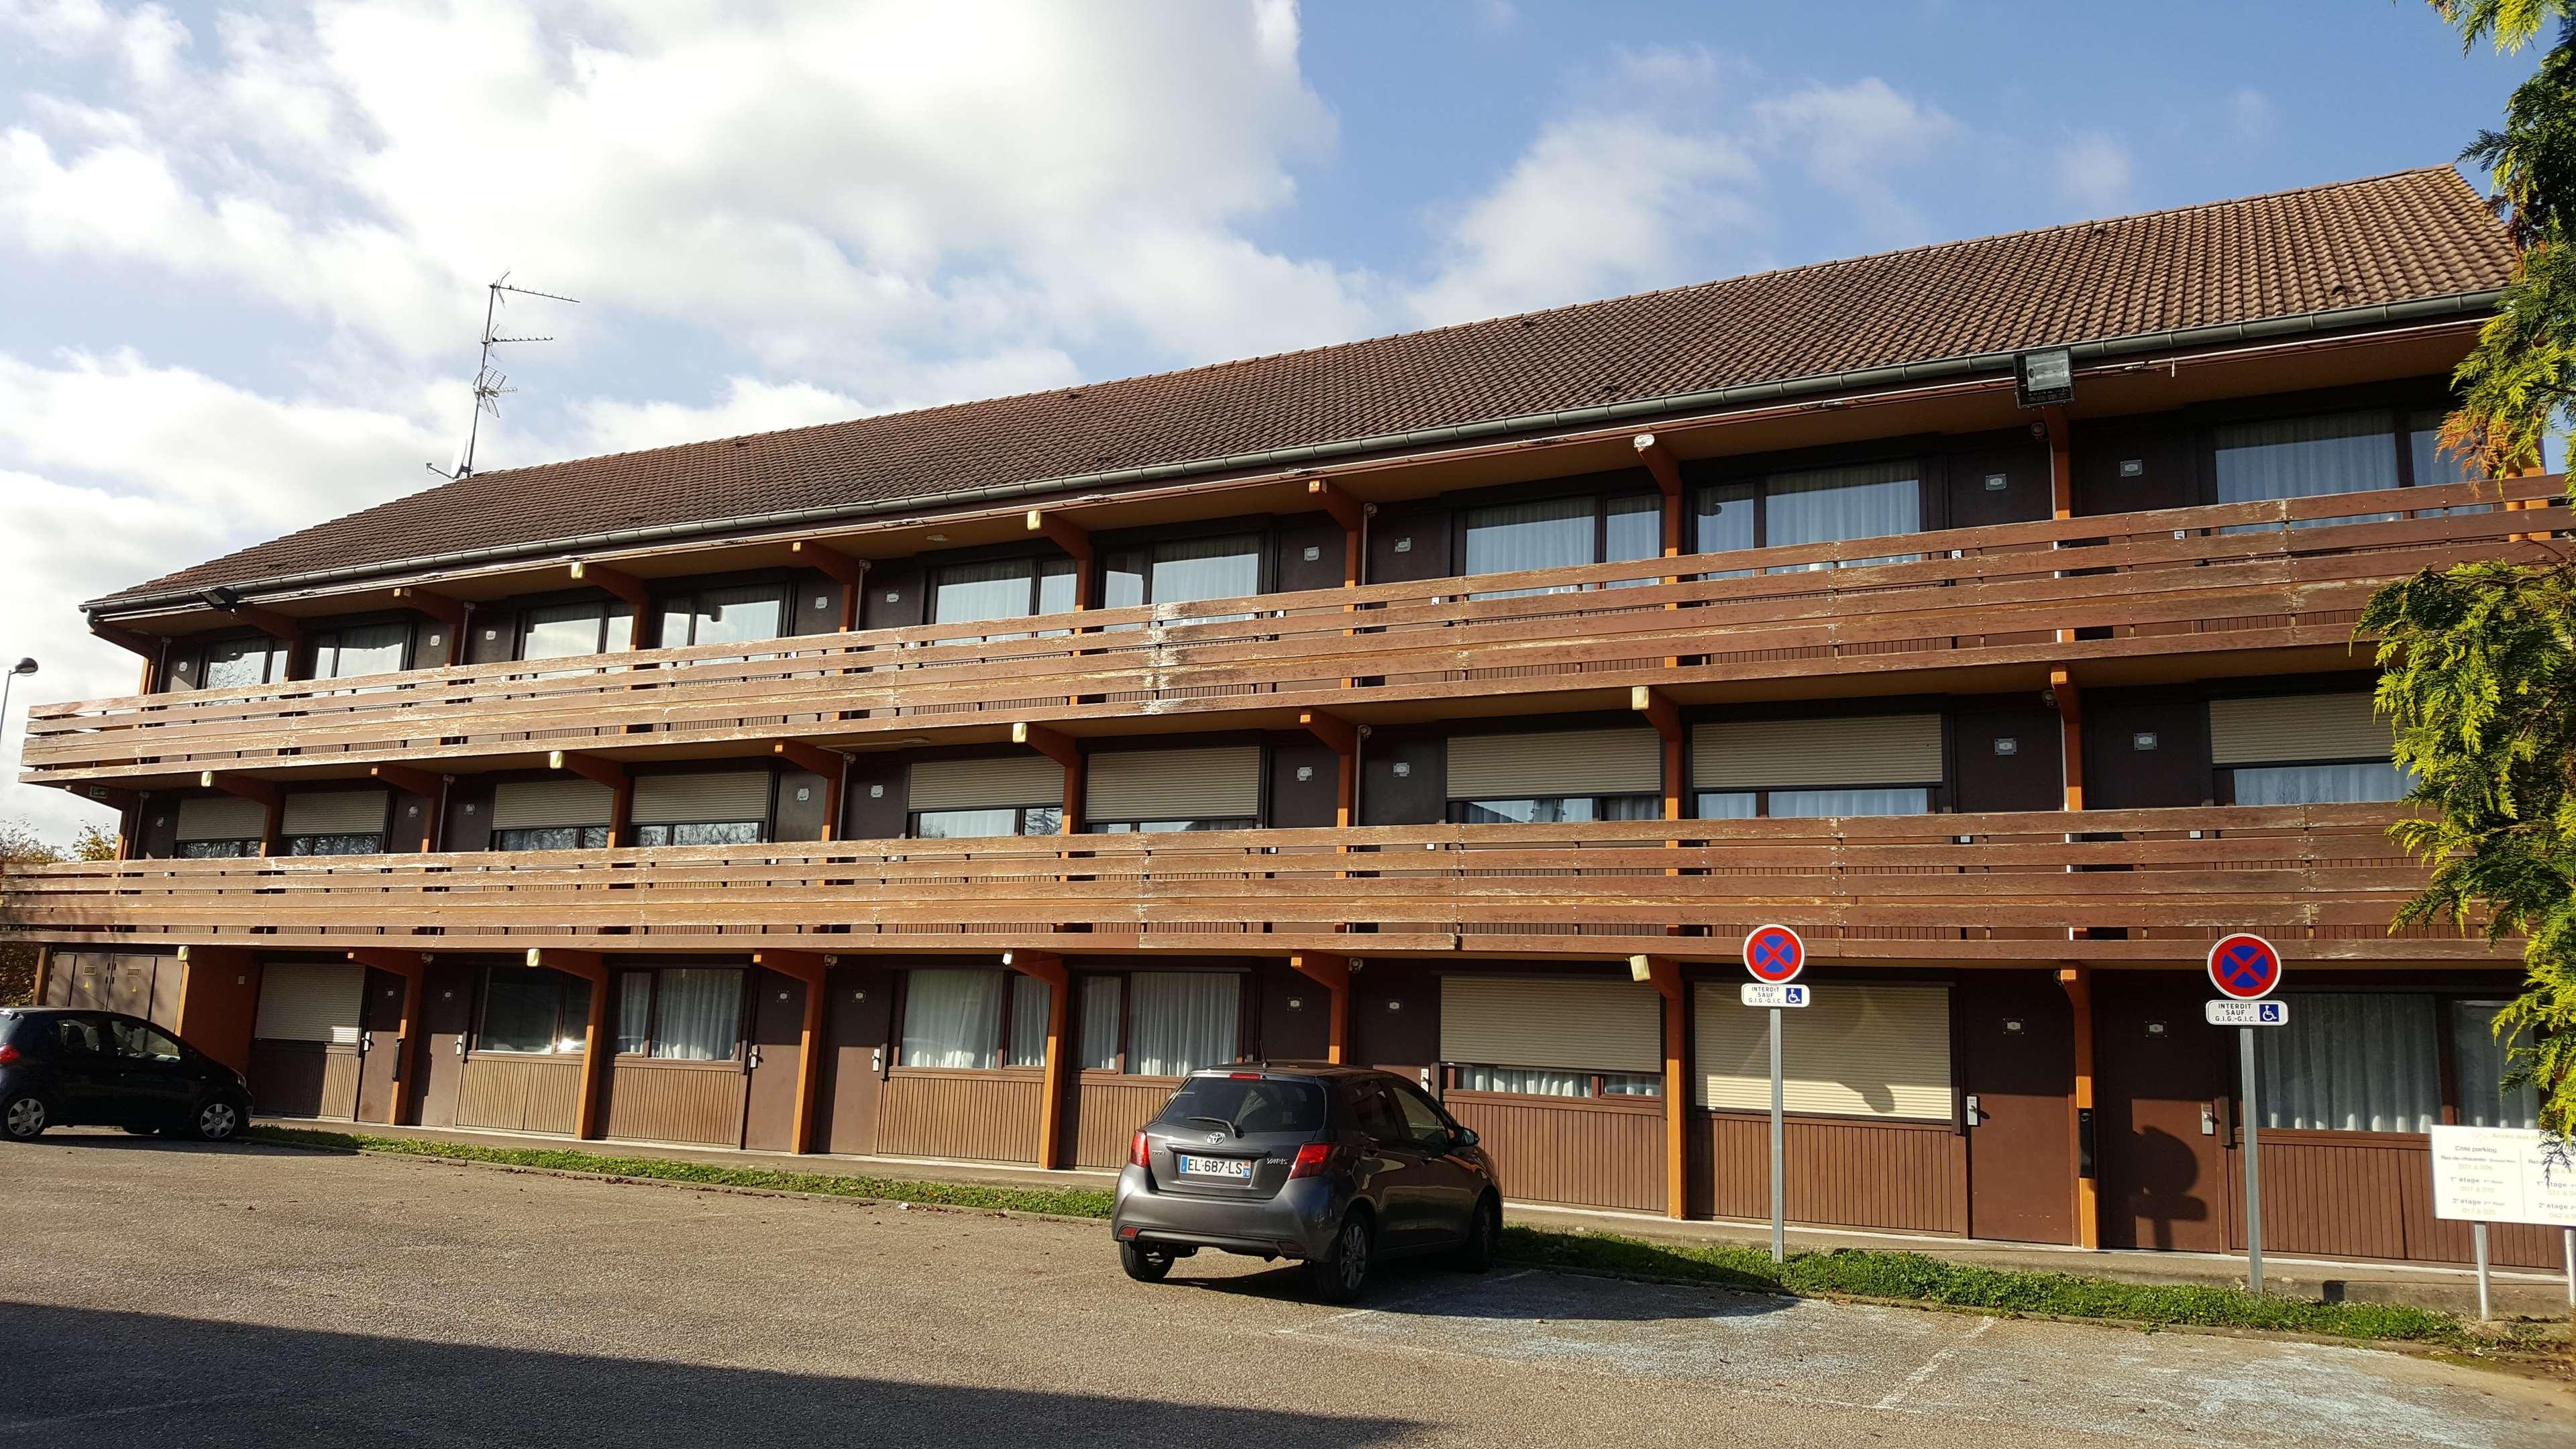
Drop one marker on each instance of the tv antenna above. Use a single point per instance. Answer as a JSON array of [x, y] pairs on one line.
[[489, 383]]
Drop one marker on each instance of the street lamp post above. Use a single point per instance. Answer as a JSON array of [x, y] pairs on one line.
[[23, 666]]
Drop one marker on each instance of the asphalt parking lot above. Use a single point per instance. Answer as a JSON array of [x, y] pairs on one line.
[[164, 1294]]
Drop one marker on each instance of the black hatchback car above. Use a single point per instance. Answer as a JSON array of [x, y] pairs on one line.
[[1333, 1166], [64, 1067]]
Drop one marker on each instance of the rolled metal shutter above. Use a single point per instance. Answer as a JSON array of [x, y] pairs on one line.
[[705, 797], [1572, 1025], [993, 784], [1857, 1051], [1215, 782], [547, 804], [1556, 762], [221, 817], [337, 812], [306, 1001], [2297, 727], [1874, 749]]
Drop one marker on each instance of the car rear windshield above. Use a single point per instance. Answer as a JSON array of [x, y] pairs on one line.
[[1248, 1105]]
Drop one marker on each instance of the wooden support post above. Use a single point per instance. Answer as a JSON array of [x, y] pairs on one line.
[[412, 967], [1048, 967], [1352, 515], [2070, 734], [832, 765], [1343, 739], [1667, 470], [2061, 466], [850, 573], [2077, 982], [1332, 971], [1066, 751], [605, 772], [1666, 717], [1075, 541], [809, 968], [45, 977], [625, 586], [1665, 974], [594, 1032], [218, 1002]]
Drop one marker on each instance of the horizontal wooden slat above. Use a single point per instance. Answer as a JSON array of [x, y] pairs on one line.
[[2157, 583]]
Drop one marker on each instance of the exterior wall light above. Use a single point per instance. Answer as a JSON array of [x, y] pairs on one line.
[[2044, 377]]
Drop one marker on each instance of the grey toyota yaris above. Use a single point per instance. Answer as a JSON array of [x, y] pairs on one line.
[[1332, 1166]]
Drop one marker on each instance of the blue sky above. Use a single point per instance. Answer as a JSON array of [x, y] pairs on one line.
[[241, 247]]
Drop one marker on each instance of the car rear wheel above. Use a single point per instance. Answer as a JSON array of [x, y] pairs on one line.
[[1484, 1236], [218, 1120], [1146, 1264], [23, 1118], [1339, 1277]]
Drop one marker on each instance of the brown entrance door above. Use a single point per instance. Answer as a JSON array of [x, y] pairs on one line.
[[1395, 1024], [2019, 1070], [2158, 1084], [855, 1019], [777, 1031], [380, 1011], [446, 1013]]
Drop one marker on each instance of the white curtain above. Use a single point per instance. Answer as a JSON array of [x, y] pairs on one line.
[[1101, 1015], [952, 1019], [1812, 804], [1826, 505], [1530, 1081], [969, 592], [2320, 784], [739, 616], [701, 1014], [634, 1011], [2435, 468], [371, 649], [965, 824], [1725, 524], [2352, 1062], [2305, 458], [2477, 1067], [1726, 805], [1555, 534], [1179, 1021], [1632, 528], [1206, 568], [1030, 1000]]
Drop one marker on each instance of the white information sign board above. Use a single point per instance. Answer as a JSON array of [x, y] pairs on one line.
[[1763, 993], [2501, 1175], [2248, 1013]]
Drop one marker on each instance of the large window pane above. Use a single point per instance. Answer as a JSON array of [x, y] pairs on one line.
[[218, 849], [1102, 1014], [699, 1016], [1531, 1081], [969, 592], [238, 663], [964, 824], [2352, 1062], [2320, 784], [372, 844], [738, 616], [520, 1009], [2305, 458], [634, 1011], [1206, 568], [952, 1019], [1813, 803], [1632, 528], [702, 832], [1554, 534], [552, 837], [372, 649], [1179, 1021], [1542, 810], [1727, 805], [2477, 1069], [562, 631], [1826, 505], [1031, 1000], [1725, 523]]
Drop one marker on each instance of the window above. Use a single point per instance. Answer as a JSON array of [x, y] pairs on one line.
[[78, 1034], [1263, 1104], [335, 822], [1010, 589], [551, 815], [1561, 533], [361, 649], [1556, 809], [238, 849], [563, 631], [2478, 1068], [1199, 788], [1185, 571], [349, 843], [552, 837], [534, 1010], [972, 1020], [136, 1041], [744, 615], [2305, 458], [1160, 827], [220, 827], [1551, 1036], [1160, 1023], [2351, 782], [1851, 765], [1814, 804], [1558, 1082], [1104, 1022], [972, 824], [2352, 1062], [702, 807], [1858, 1050], [680, 1013], [228, 663], [2303, 749], [1422, 1121], [1816, 505]]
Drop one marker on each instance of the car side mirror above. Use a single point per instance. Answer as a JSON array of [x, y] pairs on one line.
[[1464, 1137]]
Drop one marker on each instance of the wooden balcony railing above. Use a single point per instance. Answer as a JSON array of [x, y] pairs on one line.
[[2235, 577], [2157, 885]]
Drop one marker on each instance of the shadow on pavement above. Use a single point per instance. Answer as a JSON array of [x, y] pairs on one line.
[[1428, 1288], [106, 1379], [111, 1139]]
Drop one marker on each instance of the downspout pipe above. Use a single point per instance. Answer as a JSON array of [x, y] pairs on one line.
[[2463, 304]]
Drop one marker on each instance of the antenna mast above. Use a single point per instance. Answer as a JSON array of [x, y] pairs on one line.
[[489, 384]]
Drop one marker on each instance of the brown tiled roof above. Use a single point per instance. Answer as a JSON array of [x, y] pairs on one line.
[[2409, 236]]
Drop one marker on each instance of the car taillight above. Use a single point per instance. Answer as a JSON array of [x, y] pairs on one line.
[[8, 1054], [1311, 1160], [1137, 1152]]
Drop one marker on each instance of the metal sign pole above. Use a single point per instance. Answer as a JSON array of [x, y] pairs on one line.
[[1779, 1192], [2253, 1170], [2486, 1298], [2567, 1250]]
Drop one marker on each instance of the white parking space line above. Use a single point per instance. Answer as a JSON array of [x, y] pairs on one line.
[[25, 1426], [1915, 1379]]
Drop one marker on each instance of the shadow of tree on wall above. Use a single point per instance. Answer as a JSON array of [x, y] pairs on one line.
[[145, 1379]]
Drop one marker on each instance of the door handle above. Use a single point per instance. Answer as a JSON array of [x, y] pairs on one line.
[[1973, 1115], [876, 1060], [751, 1059], [2208, 1120]]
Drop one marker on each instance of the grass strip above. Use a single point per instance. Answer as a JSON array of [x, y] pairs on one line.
[[1842, 1272]]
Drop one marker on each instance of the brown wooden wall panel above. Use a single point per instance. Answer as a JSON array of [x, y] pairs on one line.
[[1108, 1112], [520, 1093], [984, 1117], [292, 1079], [1587, 1153], [1848, 1173], [652, 1101], [2367, 1195]]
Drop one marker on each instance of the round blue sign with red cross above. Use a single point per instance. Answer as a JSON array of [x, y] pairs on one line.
[[1774, 954], [2244, 967]]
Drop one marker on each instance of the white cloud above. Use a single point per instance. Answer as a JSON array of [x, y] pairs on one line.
[[1864, 141], [2094, 172], [2250, 115]]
